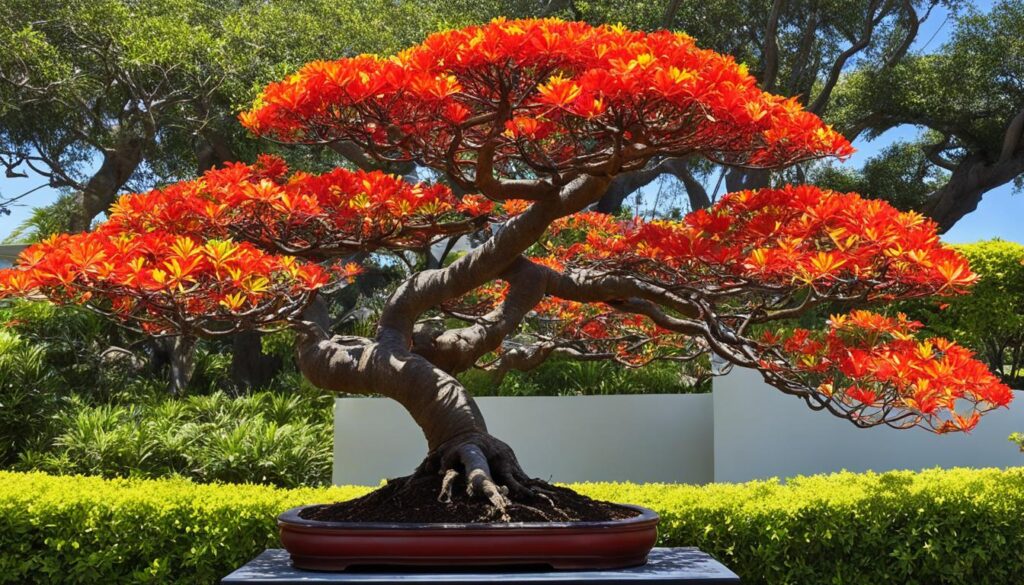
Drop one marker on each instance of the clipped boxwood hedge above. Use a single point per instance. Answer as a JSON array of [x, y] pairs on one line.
[[957, 526]]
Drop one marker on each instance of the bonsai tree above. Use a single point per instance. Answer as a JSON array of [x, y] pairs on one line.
[[529, 122]]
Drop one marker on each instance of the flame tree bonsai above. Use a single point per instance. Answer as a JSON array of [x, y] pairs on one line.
[[529, 121]]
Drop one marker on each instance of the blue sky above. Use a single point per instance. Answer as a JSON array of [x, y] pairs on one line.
[[1000, 214]]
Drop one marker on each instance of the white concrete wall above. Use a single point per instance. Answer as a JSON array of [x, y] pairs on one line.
[[745, 430], [641, 438], [9, 253], [760, 432]]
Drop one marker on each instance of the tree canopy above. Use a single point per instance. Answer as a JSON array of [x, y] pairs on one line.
[[538, 117], [100, 81]]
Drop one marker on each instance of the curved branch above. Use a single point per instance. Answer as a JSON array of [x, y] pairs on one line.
[[430, 288], [771, 46], [970, 180], [457, 350], [825, 95], [628, 183], [914, 24], [354, 154]]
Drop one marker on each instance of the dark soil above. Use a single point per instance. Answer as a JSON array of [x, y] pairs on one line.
[[413, 499]]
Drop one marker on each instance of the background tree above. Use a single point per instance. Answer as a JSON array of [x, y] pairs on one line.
[[969, 97], [538, 117], [88, 90], [98, 97]]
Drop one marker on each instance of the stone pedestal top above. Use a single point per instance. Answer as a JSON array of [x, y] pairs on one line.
[[665, 566]]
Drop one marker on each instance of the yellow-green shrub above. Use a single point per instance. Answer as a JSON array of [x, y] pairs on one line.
[[960, 526], [936, 527], [74, 529]]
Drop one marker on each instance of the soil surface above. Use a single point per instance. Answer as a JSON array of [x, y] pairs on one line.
[[413, 499]]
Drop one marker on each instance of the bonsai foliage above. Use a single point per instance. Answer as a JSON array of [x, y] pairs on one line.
[[530, 121]]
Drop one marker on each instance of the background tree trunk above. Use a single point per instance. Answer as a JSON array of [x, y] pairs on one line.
[[180, 351], [250, 367], [101, 190]]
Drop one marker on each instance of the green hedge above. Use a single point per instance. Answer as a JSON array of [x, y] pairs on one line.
[[958, 526]]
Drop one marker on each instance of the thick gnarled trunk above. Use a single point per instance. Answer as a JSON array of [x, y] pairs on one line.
[[457, 438], [438, 403]]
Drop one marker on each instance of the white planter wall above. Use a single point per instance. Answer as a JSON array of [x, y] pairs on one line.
[[744, 430], [645, 438], [761, 432]]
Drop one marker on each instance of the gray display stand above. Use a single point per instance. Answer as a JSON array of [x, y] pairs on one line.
[[683, 566]]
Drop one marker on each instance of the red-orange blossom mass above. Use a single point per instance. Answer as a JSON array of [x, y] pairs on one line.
[[249, 246]]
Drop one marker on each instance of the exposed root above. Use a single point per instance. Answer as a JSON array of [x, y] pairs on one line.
[[492, 472], [472, 478], [445, 496]]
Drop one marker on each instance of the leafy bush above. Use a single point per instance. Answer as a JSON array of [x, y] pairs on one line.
[[561, 377], [91, 530], [280, 439], [28, 394], [53, 353], [68, 404], [936, 527], [101, 362], [991, 319], [959, 526]]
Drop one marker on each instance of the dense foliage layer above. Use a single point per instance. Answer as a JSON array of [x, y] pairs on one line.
[[957, 527], [276, 438]]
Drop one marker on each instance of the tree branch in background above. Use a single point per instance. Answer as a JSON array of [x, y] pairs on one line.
[[770, 68]]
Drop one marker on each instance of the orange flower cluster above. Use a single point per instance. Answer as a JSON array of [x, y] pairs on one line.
[[318, 216], [776, 240], [555, 95], [167, 283], [171, 258], [871, 365]]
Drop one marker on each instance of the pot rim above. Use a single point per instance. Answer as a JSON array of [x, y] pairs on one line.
[[290, 519]]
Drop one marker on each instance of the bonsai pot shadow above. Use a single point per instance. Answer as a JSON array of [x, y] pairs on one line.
[[336, 546]]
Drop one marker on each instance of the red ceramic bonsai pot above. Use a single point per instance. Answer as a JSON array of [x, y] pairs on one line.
[[335, 546]]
